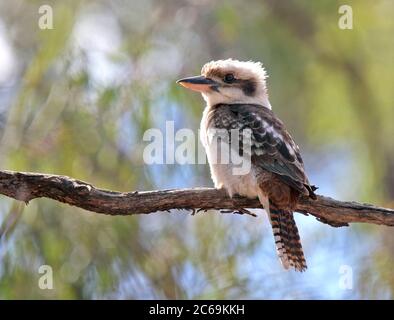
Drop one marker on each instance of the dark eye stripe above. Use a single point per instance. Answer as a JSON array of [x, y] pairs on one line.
[[248, 87]]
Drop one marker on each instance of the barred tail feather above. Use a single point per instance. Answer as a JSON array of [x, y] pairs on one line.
[[287, 239]]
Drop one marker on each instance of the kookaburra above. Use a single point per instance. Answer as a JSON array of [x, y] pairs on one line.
[[236, 98]]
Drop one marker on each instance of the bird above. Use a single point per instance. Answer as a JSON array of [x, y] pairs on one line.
[[236, 97]]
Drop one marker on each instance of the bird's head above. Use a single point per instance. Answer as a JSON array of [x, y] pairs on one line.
[[230, 81]]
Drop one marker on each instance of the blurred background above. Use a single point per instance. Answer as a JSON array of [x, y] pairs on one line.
[[76, 100]]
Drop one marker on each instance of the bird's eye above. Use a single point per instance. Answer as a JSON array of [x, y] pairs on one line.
[[229, 78]]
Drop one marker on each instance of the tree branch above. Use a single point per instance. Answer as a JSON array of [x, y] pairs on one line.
[[26, 186]]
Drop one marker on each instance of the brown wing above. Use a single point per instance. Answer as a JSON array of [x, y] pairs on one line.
[[272, 146]]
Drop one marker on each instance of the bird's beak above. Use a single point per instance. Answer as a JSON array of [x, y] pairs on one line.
[[198, 83]]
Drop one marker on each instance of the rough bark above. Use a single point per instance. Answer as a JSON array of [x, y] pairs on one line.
[[26, 186]]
